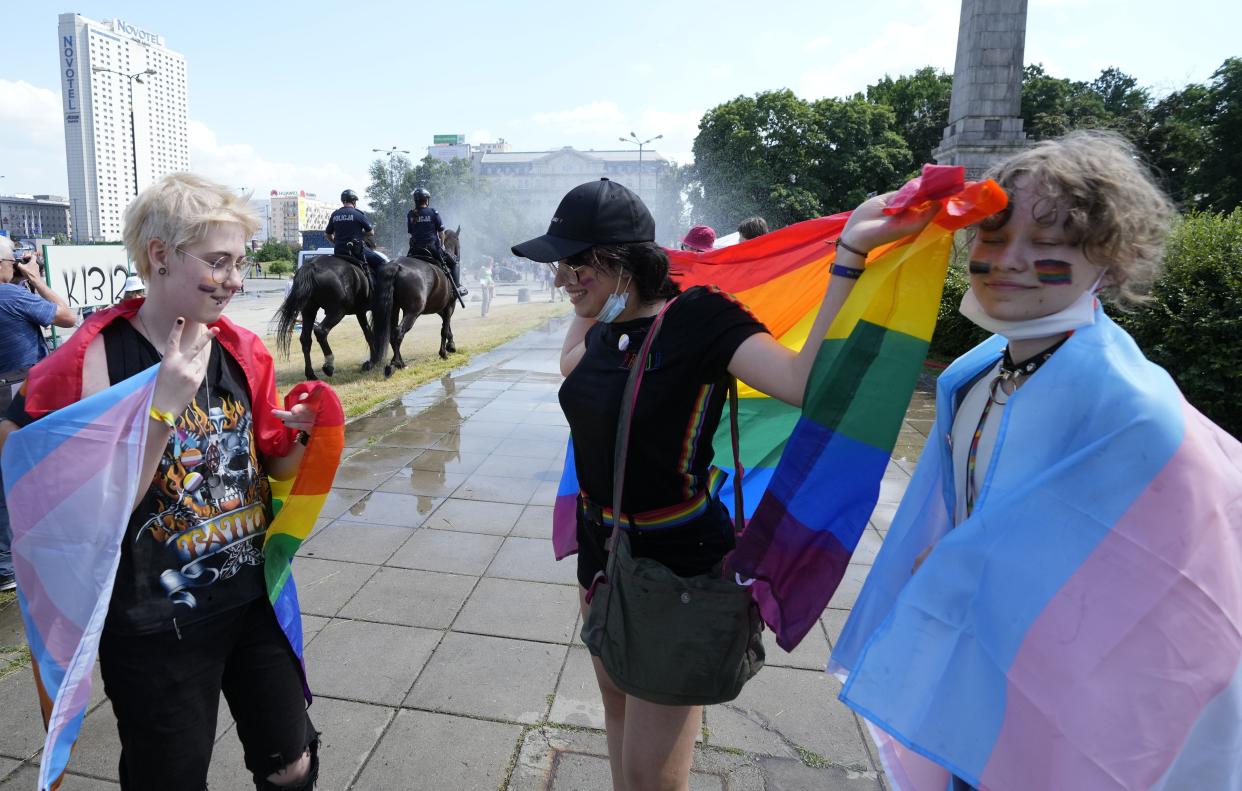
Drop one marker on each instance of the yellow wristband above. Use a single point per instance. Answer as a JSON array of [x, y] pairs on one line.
[[167, 418]]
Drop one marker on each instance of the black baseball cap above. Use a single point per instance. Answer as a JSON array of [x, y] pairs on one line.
[[598, 212]]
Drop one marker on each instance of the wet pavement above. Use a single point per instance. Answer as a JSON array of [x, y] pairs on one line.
[[441, 636]]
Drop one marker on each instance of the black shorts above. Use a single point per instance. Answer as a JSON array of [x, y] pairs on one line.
[[688, 550], [165, 691]]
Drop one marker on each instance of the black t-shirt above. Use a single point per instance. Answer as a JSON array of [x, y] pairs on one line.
[[680, 399], [193, 546], [347, 224], [424, 225]]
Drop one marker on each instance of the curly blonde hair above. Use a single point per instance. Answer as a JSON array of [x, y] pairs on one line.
[[1112, 206], [179, 210]]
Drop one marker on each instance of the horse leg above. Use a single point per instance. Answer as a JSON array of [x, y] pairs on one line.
[[366, 333], [308, 327], [322, 329], [446, 336], [398, 335]]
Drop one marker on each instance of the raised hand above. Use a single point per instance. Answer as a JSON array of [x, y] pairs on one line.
[[300, 417], [869, 227], [182, 370]]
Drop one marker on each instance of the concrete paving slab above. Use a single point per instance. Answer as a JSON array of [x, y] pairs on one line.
[[525, 610], [581, 772], [546, 493], [531, 559], [339, 500], [424, 483], [22, 734], [783, 708], [784, 774], [371, 467], [311, 624], [535, 522], [98, 750], [514, 467], [467, 443], [447, 461], [475, 427], [369, 662], [452, 752], [810, 654], [533, 449], [491, 677], [447, 550], [349, 732], [410, 598], [325, 585], [27, 777], [851, 585], [833, 622], [355, 542], [540, 433], [386, 508], [578, 701], [475, 516], [868, 546], [409, 438], [882, 517], [496, 489], [7, 765]]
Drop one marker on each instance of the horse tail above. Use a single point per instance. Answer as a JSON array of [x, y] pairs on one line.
[[382, 309], [299, 295]]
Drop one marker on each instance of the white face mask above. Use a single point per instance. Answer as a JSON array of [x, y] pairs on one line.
[[1078, 314], [615, 304]]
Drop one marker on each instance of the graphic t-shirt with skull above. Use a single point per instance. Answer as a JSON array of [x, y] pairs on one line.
[[193, 547]]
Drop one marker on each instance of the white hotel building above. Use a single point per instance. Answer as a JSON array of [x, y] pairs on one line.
[[97, 60]]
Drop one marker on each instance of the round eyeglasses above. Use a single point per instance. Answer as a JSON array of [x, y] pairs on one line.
[[223, 266], [571, 272]]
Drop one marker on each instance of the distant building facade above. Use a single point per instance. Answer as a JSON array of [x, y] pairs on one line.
[[124, 101], [543, 177], [35, 216], [292, 213]]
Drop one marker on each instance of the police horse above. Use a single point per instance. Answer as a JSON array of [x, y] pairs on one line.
[[338, 286], [413, 287]]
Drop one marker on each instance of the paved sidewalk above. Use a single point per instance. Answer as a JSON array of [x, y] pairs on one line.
[[442, 636]]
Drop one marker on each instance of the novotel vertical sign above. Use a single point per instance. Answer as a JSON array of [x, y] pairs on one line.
[[69, 75]]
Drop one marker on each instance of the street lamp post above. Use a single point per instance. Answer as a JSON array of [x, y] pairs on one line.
[[393, 210], [633, 138], [133, 140]]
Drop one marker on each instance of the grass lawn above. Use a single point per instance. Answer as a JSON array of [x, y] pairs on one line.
[[361, 392]]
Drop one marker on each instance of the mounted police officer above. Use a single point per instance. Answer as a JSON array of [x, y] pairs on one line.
[[348, 230], [427, 237]]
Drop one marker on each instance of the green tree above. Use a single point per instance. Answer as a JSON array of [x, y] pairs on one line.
[[1218, 180], [274, 250], [392, 181], [1176, 142], [920, 105], [859, 152]]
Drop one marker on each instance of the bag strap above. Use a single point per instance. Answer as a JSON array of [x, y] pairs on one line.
[[739, 520]]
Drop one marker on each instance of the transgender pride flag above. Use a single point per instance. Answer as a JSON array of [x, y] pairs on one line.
[[70, 485]]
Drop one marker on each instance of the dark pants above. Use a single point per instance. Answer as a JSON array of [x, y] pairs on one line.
[[165, 691], [437, 253]]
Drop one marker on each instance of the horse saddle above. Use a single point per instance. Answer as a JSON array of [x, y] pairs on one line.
[[354, 252], [429, 255]]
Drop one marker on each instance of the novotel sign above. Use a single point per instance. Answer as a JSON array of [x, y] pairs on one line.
[[137, 33]]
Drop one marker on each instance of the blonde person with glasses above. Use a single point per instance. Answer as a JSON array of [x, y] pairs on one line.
[[189, 617]]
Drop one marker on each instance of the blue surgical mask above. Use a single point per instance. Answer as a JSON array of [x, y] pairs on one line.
[[615, 304]]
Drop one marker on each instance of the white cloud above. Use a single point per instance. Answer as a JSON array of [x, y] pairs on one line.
[[817, 43], [241, 165], [32, 139], [596, 117], [899, 48]]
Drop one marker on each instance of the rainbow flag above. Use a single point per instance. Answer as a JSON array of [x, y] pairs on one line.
[[812, 477], [84, 459], [1083, 627]]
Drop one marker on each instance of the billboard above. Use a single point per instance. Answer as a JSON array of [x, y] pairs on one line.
[[448, 140]]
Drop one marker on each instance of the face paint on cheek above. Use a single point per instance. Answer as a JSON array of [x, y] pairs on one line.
[[979, 267], [586, 282], [206, 289], [1052, 272]]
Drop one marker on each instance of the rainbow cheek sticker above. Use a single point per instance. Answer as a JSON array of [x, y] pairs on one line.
[[979, 267], [1052, 272]]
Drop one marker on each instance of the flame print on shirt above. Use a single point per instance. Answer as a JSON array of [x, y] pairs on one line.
[[210, 498]]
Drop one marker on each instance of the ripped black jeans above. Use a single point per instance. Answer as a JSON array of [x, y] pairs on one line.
[[165, 692]]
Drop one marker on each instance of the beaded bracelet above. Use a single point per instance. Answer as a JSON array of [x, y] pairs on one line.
[[841, 243], [167, 418]]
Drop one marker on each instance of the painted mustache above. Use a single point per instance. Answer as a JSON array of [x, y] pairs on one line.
[[1049, 271]]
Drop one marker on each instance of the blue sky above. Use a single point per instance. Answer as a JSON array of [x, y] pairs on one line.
[[273, 86]]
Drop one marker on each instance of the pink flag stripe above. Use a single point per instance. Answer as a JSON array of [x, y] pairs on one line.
[[1152, 601], [906, 769], [65, 467]]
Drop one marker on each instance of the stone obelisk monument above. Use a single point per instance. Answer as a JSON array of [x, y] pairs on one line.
[[985, 113]]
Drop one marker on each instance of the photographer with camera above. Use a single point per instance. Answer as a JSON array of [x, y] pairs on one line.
[[23, 315]]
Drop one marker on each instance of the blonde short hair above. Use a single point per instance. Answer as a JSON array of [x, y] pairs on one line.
[[179, 210], [1110, 201]]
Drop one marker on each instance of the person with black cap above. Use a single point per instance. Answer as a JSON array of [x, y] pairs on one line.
[[600, 243]]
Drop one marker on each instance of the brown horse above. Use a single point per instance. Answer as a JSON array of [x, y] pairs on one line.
[[339, 288], [412, 287]]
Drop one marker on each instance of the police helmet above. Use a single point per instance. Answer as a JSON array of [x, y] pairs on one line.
[[421, 194], [349, 196]]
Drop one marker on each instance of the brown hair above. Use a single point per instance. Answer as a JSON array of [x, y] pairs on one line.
[[1110, 202], [752, 227], [645, 262]]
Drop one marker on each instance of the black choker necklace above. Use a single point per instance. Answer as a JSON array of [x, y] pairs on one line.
[[1014, 371]]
